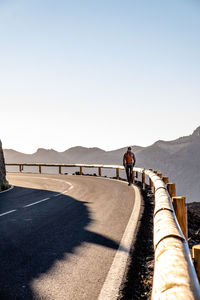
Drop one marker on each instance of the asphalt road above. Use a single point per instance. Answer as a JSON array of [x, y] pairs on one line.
[[59, 235]]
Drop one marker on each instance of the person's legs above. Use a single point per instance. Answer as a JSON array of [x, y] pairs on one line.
[[127, 172], [129, 169]]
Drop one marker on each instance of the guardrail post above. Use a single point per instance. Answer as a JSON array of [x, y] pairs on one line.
[[60, 172], [196, 258], [40, 169], [81, 170], [165, 179], [117, 172], [171, 187], [143, 180], [150, 181], [99, 171], [133, 176], [180, 211], [20, 168]]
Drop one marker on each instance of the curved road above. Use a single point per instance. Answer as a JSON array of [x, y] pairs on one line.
[[59, 235]]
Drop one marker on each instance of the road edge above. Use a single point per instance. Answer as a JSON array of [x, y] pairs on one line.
[[7, 190], [114, 279]]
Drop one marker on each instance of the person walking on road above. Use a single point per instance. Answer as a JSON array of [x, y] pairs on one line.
[[129, 162]]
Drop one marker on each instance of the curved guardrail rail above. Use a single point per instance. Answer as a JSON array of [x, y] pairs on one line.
[[174, 273]]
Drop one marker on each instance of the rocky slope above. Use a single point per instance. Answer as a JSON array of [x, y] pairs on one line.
[[177, 159], [193, 211], [3, 181]]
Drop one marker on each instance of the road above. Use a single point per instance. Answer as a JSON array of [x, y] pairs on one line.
[[59, 235]]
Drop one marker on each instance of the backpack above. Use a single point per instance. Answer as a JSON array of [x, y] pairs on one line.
[[129, 157]]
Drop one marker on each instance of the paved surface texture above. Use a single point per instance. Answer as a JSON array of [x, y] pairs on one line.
[[59, 235]]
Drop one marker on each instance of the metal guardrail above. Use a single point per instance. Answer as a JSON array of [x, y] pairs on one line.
[[174, 273]]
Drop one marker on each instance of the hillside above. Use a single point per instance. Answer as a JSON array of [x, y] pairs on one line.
[[178, 159]]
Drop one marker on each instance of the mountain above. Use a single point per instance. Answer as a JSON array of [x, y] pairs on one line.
[[72, 155], [177, 159]]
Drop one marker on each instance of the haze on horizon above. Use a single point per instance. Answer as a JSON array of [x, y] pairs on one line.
[[98, 73]]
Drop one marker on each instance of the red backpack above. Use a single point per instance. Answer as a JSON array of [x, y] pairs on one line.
[[129, 158]]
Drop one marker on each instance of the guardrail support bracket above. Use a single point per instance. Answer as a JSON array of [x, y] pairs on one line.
[[179, 205], [133, 176], [60, 172], [171, 187], [196, 258], [81, 170], [165, 179], [117, 173]]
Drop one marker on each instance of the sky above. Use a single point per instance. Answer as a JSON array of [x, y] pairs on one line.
[[98, 73]]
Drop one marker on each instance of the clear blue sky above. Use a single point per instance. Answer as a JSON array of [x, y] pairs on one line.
[[98, 73]]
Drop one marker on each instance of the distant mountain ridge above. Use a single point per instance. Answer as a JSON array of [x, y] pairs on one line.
[[177, 159], [72, 155]]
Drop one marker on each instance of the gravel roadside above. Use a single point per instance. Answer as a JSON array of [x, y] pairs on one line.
[[139, 276]]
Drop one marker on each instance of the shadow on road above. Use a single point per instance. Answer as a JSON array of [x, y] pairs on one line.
[[33, 239]]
